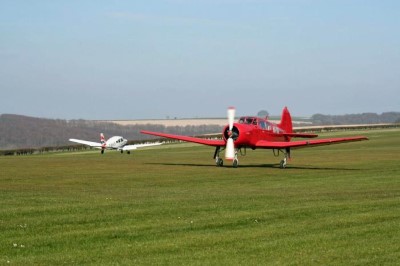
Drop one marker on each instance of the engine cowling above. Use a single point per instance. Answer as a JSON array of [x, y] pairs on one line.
[[240, 134], [234, 133]]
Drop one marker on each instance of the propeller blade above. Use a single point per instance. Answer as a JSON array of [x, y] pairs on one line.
[[230, 149], [231, 117]]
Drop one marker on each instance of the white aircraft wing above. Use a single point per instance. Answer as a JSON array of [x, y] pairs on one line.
[[85, 142], [135, 146]]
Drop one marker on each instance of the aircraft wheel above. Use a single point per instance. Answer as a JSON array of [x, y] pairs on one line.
[[102, 151], [220, 162], [128, 152], [282, 165], [122, 151], [235, 163]]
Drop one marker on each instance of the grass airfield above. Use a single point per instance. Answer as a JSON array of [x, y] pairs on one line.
[[170, 205]]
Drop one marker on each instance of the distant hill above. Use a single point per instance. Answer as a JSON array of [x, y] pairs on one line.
[[18, 131]]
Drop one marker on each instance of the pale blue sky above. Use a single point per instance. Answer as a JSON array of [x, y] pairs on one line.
[[177, 58]]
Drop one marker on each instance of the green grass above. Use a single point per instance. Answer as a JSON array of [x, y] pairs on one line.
[[333, 205]]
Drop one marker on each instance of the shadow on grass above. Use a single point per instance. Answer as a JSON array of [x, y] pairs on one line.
[[304, 167], [277, 166], [184, 164]]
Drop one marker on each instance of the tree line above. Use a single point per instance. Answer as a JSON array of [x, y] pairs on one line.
[[354, 119]]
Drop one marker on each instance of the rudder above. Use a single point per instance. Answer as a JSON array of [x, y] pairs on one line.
[[286, 121]]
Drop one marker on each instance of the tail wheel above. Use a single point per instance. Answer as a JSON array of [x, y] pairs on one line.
[[235, 163]]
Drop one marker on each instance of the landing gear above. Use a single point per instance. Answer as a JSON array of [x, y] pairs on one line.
[[286, 152], [122, 151], [282, 165], [219, 162], [102, 151], [128, 152], [235, 163]]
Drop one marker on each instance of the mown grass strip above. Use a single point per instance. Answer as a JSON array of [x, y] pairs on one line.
[[333, 205]]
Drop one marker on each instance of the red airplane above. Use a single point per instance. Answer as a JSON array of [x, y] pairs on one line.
[[257, 133]]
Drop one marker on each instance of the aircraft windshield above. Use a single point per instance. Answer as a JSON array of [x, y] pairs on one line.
[[248, 120]]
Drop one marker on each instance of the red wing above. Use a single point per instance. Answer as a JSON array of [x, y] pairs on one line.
[[305, 143], [209, 142]]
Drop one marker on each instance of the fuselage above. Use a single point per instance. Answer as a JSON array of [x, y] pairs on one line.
[[116, 142], [250, 129]]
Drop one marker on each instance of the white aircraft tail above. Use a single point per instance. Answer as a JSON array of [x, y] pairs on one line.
[[102, 140]]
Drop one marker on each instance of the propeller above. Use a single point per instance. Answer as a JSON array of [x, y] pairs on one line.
[[230, 146]]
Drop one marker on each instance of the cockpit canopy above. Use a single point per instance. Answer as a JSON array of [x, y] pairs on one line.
[[260, 122]]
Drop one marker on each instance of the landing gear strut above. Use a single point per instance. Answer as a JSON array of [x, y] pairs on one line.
[[235, 163], [235, 159], [283, 163], [218, 161]]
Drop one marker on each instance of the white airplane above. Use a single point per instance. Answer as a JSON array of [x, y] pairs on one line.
[[113, 143]]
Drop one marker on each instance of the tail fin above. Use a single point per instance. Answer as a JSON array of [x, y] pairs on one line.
[[102, 140], [286, 121]]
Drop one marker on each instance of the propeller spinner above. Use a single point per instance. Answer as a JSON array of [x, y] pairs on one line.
[[230, 146]]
